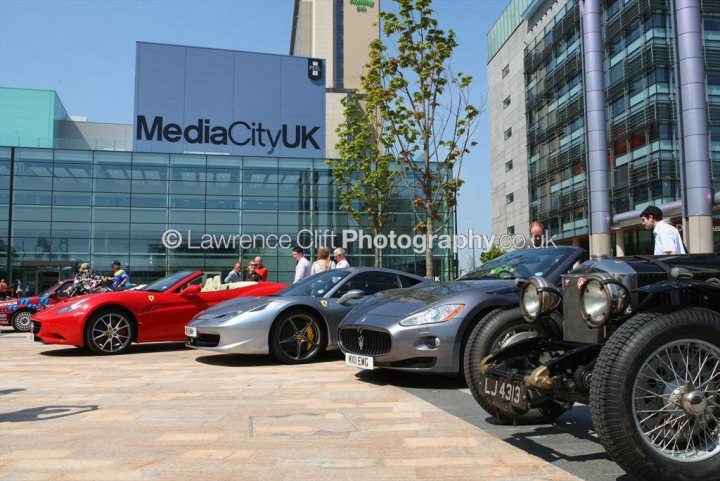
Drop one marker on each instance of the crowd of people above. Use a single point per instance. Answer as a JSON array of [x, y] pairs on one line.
[[257, 272]]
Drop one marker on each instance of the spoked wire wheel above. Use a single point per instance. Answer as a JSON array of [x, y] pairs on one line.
[[676, 400], [298, 337], [655, 396], [109, 333]]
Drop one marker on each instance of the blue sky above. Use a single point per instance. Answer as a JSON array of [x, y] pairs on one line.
[[85, 50]]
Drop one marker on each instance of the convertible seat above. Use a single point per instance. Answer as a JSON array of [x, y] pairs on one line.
[[237, 285]]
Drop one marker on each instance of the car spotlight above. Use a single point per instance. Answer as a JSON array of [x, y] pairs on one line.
[[601, 299], [537, 298]]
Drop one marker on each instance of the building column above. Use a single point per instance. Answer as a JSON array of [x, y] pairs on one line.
[[619, 243], [595, 128], [695, 154]]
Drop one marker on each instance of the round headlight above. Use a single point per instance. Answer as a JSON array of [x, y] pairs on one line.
[[600, 300], [538, 298]]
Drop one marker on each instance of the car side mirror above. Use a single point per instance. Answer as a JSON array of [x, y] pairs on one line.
[[191, 290], [349, 295]]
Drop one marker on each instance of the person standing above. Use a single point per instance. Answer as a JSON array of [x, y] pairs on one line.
[[120, 277], [302, 269], [252, 274], [260, 268], [3, 289], [323, 262], [667, 237], [340, 258], [235, 275], [537, 232]]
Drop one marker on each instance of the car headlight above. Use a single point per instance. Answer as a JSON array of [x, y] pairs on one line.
[[72, 307], [601, 299], [433, 315], [537, 298]]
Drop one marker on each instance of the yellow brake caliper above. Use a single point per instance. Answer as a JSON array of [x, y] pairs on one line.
[[311, 336]]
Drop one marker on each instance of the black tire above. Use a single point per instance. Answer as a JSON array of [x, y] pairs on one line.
[[109, 331], [20, 320], [487, 337], [297, 337], [636, 390]]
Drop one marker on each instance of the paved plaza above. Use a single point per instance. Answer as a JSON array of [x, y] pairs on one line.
[[163, 412]]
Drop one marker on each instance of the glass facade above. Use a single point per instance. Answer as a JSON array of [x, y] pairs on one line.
[[641, 112], [509, 20], [59, 208]]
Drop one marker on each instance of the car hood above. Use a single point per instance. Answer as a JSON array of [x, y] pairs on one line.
[[403, 302], [234, 306]]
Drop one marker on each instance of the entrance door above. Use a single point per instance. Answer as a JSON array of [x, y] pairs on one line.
[[45, 280]]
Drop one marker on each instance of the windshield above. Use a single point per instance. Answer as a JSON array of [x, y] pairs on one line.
[[52, 289], [162, 285], [317, 285], [521, 263]]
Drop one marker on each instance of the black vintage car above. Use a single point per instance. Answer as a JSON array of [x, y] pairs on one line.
[[636, 338]]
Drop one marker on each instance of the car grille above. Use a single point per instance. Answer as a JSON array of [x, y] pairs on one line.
[[204, 340], [36, 327], [365, 342]]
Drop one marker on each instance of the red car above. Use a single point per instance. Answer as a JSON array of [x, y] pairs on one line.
[[108, 323], [17, 312]]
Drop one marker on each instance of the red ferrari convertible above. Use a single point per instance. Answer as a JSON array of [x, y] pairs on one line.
[[108, 323]]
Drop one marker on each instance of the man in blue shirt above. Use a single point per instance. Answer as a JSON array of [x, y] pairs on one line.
[[120, 277]]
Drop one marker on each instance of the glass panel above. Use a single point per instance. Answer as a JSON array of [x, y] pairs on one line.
[[193, 216], [32, 198], [78, 214], [63, 157], [112, 185], [37, 155], [117, 214], [73, 170], [113, 158], [29, 229], [76, 185], [71, 198], [31, 212], [156, 216], [78, 230], [149, 200], [107, 200]]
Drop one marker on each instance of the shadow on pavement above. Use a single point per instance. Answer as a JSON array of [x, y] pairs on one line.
[[134, 349], [44, 413], [249, 360], [383, 377], [10, 391]]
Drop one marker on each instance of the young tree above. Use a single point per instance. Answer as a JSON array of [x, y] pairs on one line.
[[365, 174], [427, 109]]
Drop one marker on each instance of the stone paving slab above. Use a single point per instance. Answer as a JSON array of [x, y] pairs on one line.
[[163, 412]]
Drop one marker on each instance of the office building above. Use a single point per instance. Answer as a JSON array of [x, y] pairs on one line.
[[539, 137], [227, 153]]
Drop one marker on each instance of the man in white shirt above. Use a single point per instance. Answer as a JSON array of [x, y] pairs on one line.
[[667, 237], [340, 258], [302, 269]]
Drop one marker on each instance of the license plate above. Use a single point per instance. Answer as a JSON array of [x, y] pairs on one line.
[[190, 331], [504, 391], [361, 362]]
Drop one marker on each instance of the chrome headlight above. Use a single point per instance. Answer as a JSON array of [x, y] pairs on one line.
[[72, 307], [601, 299], [433, 315], [537, 298]]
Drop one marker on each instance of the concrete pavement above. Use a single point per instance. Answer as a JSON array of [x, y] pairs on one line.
[[163, 412]]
